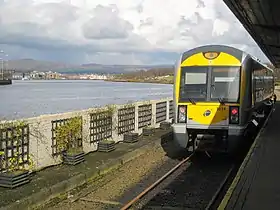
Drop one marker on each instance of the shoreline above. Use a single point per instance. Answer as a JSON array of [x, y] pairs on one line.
[[106, 80], [140, 81]]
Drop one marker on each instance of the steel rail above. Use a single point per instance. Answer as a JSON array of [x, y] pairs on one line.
[[148, 189]]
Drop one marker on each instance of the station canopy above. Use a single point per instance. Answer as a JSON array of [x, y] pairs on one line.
[[261, 18]]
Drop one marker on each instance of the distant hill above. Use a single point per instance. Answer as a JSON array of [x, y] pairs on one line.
[[109, 69], [26, 65]]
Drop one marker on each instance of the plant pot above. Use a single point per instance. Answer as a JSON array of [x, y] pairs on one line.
[[14, 179], [165, 125], [130, 137], [148, 131], [106, 146], [73, 158]]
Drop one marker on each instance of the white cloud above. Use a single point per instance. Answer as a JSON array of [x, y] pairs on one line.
[[117, 31], [106, 24]]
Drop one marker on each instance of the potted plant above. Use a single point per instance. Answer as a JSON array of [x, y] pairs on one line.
[[13, 174], [148, 131], [106, 145], [130, 137], [13, 171], [68, 138], [165, 125]]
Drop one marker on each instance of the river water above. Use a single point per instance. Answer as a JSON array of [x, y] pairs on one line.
[[33, 98]]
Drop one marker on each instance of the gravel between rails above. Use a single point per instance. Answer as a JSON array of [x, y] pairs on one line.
[[104, 194]]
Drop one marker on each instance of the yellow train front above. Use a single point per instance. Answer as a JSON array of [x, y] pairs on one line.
[[218, 92]]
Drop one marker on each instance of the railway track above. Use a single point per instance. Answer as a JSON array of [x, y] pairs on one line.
[[194, 183], [191, 184]]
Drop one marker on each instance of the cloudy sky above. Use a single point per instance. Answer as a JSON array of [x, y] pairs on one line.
[[117, 31]]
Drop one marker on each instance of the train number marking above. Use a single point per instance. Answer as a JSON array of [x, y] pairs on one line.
[[221, 109]]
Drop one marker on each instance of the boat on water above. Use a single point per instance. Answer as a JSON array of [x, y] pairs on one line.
[[6, 82]]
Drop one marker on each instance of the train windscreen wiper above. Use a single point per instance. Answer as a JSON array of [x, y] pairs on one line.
[[191, 100], [221, 100]]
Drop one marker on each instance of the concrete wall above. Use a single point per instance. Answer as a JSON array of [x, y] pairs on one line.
[[40, 146]]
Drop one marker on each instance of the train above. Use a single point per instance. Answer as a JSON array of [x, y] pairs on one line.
[[219, 93]]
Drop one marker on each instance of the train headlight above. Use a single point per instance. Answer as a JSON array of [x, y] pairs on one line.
[[234, 115], [182, 114]]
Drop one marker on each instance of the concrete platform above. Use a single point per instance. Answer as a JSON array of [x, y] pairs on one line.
[[257, 184], [54, 182]]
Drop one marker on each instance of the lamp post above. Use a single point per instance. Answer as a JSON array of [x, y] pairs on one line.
[[9, 76], [2, 57], [6, 62], [2, 64]]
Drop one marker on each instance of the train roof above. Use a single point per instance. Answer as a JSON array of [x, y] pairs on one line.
[[239, 54], [206, 48]]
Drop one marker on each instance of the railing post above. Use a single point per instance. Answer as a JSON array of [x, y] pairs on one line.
[[136, 118], [87, 146], [167, 110], [154, 113], [115, 121]]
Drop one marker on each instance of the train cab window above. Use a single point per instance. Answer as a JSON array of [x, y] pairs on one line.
[[225, 83], [193, 84]]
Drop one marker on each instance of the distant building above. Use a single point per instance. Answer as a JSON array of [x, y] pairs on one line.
[[21, 75], [44, 75], [53, 75], [92, 77], [17, 76], [37, 75]]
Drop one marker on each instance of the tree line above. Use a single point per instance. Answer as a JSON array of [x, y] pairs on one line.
[[150, 73]]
